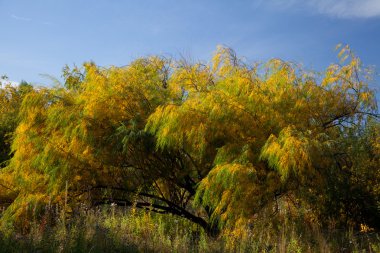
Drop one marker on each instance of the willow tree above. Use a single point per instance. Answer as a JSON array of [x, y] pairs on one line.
[[85, 142], [277, 134], [10, 102], [219, 143]]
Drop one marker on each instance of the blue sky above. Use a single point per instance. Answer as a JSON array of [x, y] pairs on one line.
[[41, 36]]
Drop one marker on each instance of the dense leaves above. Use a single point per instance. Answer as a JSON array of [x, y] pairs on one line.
[[222, 143]]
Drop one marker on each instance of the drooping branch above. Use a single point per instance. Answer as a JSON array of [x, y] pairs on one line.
[[170, 207]]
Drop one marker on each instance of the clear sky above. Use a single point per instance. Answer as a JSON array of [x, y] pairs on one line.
[[41, 36]]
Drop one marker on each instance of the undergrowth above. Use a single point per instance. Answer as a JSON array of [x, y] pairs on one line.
[[113, 229]]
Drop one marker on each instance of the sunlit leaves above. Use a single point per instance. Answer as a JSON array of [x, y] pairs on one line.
[[232, 136], [287, 122], [288, 153]]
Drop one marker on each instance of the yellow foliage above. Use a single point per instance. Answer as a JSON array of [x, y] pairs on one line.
[[230, 135]]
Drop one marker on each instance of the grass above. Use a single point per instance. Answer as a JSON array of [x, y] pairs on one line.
[[111, 229]]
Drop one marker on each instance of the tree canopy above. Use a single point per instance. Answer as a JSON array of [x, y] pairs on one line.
[[220, 144]]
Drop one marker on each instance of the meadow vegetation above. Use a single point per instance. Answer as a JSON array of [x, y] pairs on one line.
[[112, 229]]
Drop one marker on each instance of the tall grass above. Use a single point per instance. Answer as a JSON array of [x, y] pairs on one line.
[[112, 229]]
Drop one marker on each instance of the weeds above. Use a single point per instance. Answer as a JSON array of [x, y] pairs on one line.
[[112, 229]]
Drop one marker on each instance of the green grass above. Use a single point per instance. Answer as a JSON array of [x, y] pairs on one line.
[[110, 229]]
